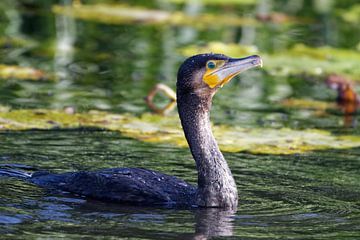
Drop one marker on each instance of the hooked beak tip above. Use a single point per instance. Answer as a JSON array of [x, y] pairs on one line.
[[257, 61]]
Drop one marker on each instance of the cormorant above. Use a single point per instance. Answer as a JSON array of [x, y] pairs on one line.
[[198, 79]]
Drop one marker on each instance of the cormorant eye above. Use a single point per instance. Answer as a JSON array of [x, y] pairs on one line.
[[211, 65]]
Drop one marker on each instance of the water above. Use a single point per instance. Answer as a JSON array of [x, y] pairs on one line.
[[315, 195], [307, 196]]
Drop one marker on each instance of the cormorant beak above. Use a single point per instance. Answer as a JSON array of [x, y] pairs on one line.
[[221, 75]]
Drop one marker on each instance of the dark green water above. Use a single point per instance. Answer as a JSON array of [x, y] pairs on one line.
[[304, 196]]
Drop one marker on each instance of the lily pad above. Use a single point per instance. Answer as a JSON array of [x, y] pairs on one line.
[[167, 130], [22, 73], [299, 59], [124, 14]]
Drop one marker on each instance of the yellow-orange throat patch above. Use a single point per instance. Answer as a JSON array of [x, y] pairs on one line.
[[212, 80]]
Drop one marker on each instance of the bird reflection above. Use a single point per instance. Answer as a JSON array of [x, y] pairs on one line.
[[213, 222], [349, 109], [208, 222]]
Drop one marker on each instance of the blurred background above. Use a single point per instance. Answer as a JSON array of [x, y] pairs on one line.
[[91, 56]]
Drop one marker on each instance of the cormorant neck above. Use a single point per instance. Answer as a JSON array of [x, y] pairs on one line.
[[216, 185]]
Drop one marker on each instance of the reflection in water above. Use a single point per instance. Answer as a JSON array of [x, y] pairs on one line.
[[149, 99], [14, 26], [329, 30], [349, 109], [315, 195], [213, 222], [209, 222], [65, 39], [64, 54], [70, 216], [187, 33], [347, 98]]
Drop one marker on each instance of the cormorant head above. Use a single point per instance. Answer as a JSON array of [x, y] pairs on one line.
[[203, 74]]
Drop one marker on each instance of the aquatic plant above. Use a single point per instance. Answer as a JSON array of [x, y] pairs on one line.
[[18, 72], [159, 129]]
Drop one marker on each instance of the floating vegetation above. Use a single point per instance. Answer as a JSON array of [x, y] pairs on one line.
[[307, 104], [219, 2], [351, 15], [299, 59], [277, 17], [230, 49], [159, 129], [124, 14], [22, 73], [16, 42]]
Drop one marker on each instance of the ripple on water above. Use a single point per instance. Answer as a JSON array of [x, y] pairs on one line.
[[9, 219], [280, 196]]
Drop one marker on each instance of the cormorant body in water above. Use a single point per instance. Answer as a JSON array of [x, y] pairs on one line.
[[199, 77]]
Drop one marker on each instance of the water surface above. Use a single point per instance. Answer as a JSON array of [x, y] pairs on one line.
[[315, 195]]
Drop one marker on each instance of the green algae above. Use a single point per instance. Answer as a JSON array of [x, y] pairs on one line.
[[220, 2], [124, 14], [159, 129], [230, 49], [307, 104], [351, 15], [22, 73]]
